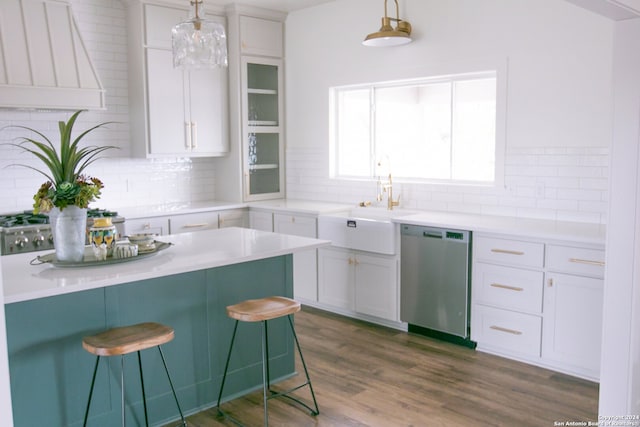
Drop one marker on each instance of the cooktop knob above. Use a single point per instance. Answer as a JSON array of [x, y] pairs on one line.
[[21, 240]]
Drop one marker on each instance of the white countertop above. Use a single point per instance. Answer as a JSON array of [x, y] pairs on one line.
[[133, 212], [522, 227], [301, 206], [189, 252]]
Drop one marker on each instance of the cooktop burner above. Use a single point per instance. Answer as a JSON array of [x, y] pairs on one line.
[[24, 218]]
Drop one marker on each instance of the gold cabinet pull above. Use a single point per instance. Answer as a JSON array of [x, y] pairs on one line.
[[204, 224], [587, 261], [501, 329], [506, 251], [510, 288]]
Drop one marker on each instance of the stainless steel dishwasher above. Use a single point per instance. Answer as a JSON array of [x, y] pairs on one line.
[[435, 286]]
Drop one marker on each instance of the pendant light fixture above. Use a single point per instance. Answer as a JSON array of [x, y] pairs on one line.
[[387, 35], [199, 42]]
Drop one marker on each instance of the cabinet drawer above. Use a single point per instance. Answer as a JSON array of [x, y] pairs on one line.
[[507, 330], [156, 225], [515, 252], [193, 222], [296, 225], [569, 259], [508, 287]]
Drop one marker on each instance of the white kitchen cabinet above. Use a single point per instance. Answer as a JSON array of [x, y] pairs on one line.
[[358, 282], [336, 278], [305, 264], [262, 111], [262, 37], [538, 302], [233, 218], [254, 168], [573, 322], [261, 220], [154, 225], [174, 112], [573, 295]]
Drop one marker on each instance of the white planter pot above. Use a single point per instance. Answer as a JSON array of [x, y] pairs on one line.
[[69, 228]]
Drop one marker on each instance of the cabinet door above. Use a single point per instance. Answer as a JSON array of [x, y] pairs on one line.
[[573, 321], [305, 270], [336, 278], [260, 37], [193, 222], [156, 225], [208, 109], [259, 220], [262, 112], [376, 286], [167, 122]]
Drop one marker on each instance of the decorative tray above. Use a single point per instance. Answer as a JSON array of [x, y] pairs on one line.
[[90, 259]]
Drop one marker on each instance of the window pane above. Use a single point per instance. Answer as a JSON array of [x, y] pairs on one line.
[[354, 139], [413, 129], [474, 130]]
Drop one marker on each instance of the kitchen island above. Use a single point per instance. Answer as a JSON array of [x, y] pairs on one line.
[[187, 286]]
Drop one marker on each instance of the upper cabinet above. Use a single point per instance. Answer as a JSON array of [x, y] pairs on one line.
[[174, 112], [263, 150], [254, 169], [261, 37]]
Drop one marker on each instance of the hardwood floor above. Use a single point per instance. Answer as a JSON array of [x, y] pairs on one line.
[[366, 375]]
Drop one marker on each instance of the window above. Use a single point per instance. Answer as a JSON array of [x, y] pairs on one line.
[[431, 130]]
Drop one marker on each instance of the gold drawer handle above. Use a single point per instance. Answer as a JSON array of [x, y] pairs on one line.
[[510, 288], [204, 224], [509, 331], [506, 251], [587, 261]]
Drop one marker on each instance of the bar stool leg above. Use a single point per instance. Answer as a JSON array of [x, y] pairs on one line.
[[226, 367], [93, 382], [265, 372], [184, 422], [144, 395], [122, 386], [306, 372]]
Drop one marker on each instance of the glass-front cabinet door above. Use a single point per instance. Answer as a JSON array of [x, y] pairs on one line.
[[263, 147]]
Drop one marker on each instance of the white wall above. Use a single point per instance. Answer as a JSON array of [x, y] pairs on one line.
[[558, 104], [620, 366], [127, 181]]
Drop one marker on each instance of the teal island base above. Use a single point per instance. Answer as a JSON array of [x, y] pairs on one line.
[[51, 372]]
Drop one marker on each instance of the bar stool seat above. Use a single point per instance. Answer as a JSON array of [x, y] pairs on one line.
[[263, 310], [129, 339]]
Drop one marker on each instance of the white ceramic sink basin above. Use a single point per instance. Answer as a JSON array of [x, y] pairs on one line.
[[364, 229]]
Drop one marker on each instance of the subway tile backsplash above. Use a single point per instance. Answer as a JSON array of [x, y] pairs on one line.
[[566, 184]]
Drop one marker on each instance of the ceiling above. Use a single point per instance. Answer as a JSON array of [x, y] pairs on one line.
[[282, 5], [612, 9]]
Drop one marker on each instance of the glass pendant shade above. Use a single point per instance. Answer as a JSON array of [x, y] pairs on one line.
[[199, 42]]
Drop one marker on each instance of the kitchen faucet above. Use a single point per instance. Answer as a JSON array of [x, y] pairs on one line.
[[388, 188]]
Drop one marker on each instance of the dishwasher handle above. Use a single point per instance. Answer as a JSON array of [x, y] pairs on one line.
[[432, 234]]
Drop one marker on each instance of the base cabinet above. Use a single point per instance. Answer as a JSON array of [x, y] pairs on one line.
[[359, 282], [539, 302], [573, 321]]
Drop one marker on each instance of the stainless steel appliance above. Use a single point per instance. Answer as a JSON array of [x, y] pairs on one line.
[[28, 232], [435, 285]]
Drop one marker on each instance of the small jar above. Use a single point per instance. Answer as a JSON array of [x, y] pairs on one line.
[[102, 232]]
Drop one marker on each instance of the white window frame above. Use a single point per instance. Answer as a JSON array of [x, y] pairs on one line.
[[500, 72]]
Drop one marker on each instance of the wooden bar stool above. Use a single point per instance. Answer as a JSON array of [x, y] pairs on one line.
[[125, 340], [262, 310]]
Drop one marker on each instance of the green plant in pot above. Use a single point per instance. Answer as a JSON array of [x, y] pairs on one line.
[[68, 191]]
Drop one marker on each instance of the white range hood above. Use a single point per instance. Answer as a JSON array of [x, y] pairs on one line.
[[44, 63]]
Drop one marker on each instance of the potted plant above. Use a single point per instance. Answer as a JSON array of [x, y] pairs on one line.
[[67, 192]]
